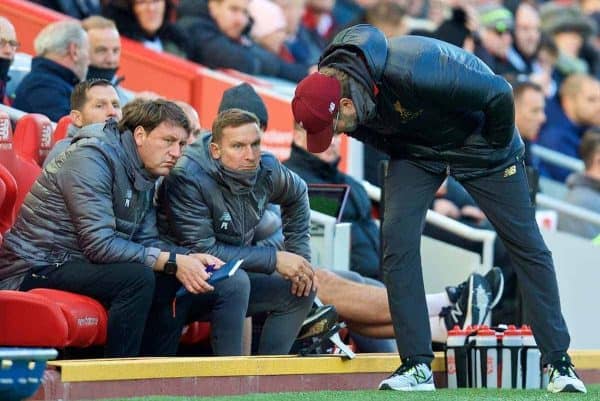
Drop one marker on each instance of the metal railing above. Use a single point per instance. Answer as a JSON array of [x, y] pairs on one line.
[[557, 158], [486, 237]]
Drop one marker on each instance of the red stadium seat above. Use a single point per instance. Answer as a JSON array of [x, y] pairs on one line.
[[8, 198], [24, 171], [60, 132], [195, 332], [51, 318], [86, 318], [33, 137]]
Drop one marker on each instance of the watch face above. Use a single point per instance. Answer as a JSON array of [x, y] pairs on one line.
[[170, 268]]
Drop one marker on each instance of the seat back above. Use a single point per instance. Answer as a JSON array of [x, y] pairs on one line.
[[86, 318], [60, 132], [8, 198], [24, 171], [44, 317], [33, 137]]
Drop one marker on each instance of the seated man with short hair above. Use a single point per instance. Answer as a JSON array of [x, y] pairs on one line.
[[213, 201], [92, 101]]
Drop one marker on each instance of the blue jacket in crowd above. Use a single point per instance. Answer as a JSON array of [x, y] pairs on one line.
[[46, 89], [559, 134]]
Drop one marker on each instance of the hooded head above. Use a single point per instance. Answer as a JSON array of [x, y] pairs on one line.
[[244, 97]]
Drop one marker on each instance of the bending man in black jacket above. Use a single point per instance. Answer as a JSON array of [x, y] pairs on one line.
[[436, 110]]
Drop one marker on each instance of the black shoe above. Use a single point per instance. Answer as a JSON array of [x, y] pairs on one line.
[[319, 321], [495, 279], [454, 292], [472, 307], [315, 331]]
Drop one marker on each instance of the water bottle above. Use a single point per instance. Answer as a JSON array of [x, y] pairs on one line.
[[456, 358], [511, 358], [486, 358], [532, 375]]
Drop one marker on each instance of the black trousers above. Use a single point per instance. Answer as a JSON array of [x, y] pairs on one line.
[[505, 200], [125, 289]]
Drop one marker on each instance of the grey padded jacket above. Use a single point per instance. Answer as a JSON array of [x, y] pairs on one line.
[[92, 203], [202, 209]]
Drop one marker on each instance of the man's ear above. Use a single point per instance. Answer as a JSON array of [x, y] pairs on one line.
[[73, 51], [77, 118], [347, 106], [215, 151], [138, 134]]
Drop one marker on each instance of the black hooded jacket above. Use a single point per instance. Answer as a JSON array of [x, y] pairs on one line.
[[435, 103], [211, 47]]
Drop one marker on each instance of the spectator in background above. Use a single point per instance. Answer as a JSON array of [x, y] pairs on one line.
[[526, 40], [388, 16], [8, 48], [584, 188], [323, 168], [529, 114], [78, 9], [94, 231], [214, 200], [576, 109], [268, 27], [218, 34], [105, 53], [570, 30], [61, 61], [92, 101], [243, 96], [318, 20], [194, 118], [496, 28], [457, 30], [300, 43], [147, 21]]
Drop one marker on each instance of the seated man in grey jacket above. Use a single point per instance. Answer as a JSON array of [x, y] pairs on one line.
[[213, 201], [88, 226]]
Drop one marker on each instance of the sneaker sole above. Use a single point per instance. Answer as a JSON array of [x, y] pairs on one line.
[[569, 388], [315, 317], [419, 387], [469, 317]]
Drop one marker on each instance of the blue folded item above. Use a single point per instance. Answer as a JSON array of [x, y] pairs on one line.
[[225, 271]]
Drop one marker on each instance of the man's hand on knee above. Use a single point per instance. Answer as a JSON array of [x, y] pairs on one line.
[[297, 269]]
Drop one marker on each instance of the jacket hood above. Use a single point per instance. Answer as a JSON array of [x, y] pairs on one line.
[[72, 130], [98, 130], [123, 144], [582, 180], [198, 151], [366, 41]]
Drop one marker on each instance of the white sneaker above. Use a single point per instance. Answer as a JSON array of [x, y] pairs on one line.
[[410, 378], [563, 379]]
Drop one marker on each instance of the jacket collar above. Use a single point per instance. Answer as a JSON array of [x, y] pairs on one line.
[[52, 67], [198, 151]]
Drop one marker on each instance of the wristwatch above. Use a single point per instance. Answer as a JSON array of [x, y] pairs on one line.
[[171, 265]]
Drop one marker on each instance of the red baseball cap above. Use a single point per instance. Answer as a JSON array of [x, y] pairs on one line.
[[315, 106]]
